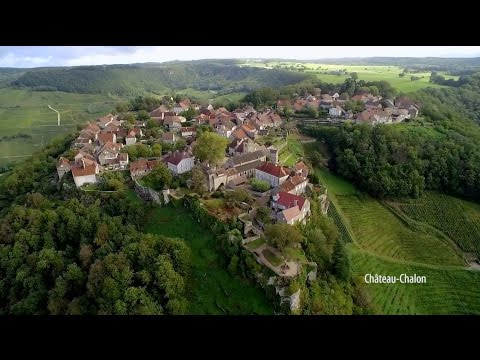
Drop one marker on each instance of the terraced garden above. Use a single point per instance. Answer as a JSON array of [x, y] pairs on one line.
[[458, 219], [445, 292], [378, 230]]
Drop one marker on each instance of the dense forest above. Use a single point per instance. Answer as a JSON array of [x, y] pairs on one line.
[[438, 151], [217, 75], [63, 251]]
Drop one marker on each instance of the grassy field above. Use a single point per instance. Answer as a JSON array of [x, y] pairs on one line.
[[292, 152], [214, 96], [256, 243], [272, 259], [458, 219], [335, 184], [445, 292], [212, 284], [366, 73], [27, 112]]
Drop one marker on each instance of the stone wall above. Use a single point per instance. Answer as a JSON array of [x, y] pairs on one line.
[[147, 194]]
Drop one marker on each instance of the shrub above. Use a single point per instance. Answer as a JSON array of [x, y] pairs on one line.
[[259, 185]]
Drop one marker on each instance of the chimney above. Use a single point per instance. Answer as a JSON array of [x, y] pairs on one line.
[[295, 202]]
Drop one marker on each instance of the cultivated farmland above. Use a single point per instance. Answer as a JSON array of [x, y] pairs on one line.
[[26, 112], [458, 219]]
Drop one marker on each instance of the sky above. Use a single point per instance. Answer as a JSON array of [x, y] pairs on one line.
[[37, 56]]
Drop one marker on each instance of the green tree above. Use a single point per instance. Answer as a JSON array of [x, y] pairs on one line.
[[238, 196], [143, 115], [263, 214], [180, 144], [341, 265], [355, 106], [161, 177], [122, 107], [198, 180], [130, 118], [189, 114], [282, 235], [259, 185], [151, 123], [312, 112], [210, 148]]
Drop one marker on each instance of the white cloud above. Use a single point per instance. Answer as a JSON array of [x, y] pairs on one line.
[[11, 60], [31, 56]]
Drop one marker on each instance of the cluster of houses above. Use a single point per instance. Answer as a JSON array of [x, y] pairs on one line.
[[98, 148], [241, 124], [178, 162], [377, 110], [287, 203], [287, 185]]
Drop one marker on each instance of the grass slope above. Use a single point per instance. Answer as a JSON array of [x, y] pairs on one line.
[[445, 292], [385, 245], [211, 282], [292, 151], [27, 112], [458, 219], [379, 231]]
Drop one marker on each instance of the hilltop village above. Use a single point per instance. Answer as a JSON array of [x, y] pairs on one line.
[[166, 156]]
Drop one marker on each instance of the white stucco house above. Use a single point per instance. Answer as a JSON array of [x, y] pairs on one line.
[[274, 174], [179, 162]]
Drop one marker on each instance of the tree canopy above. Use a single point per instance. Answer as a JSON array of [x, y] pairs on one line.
[[210, 148]]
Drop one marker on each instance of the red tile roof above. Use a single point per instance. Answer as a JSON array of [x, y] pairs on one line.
[[105, 119], [105, 137], [273, 169], [110, 128], [153, 163], [287, 186], [240, 134], [248, 127], [288, 200], [301, 166], [94, 128], [83, 171], [62, 161], [168, 136], [158, 111], [139, 165], [292, 182]]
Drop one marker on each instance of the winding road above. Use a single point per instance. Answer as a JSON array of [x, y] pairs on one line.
[[58, 113]]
